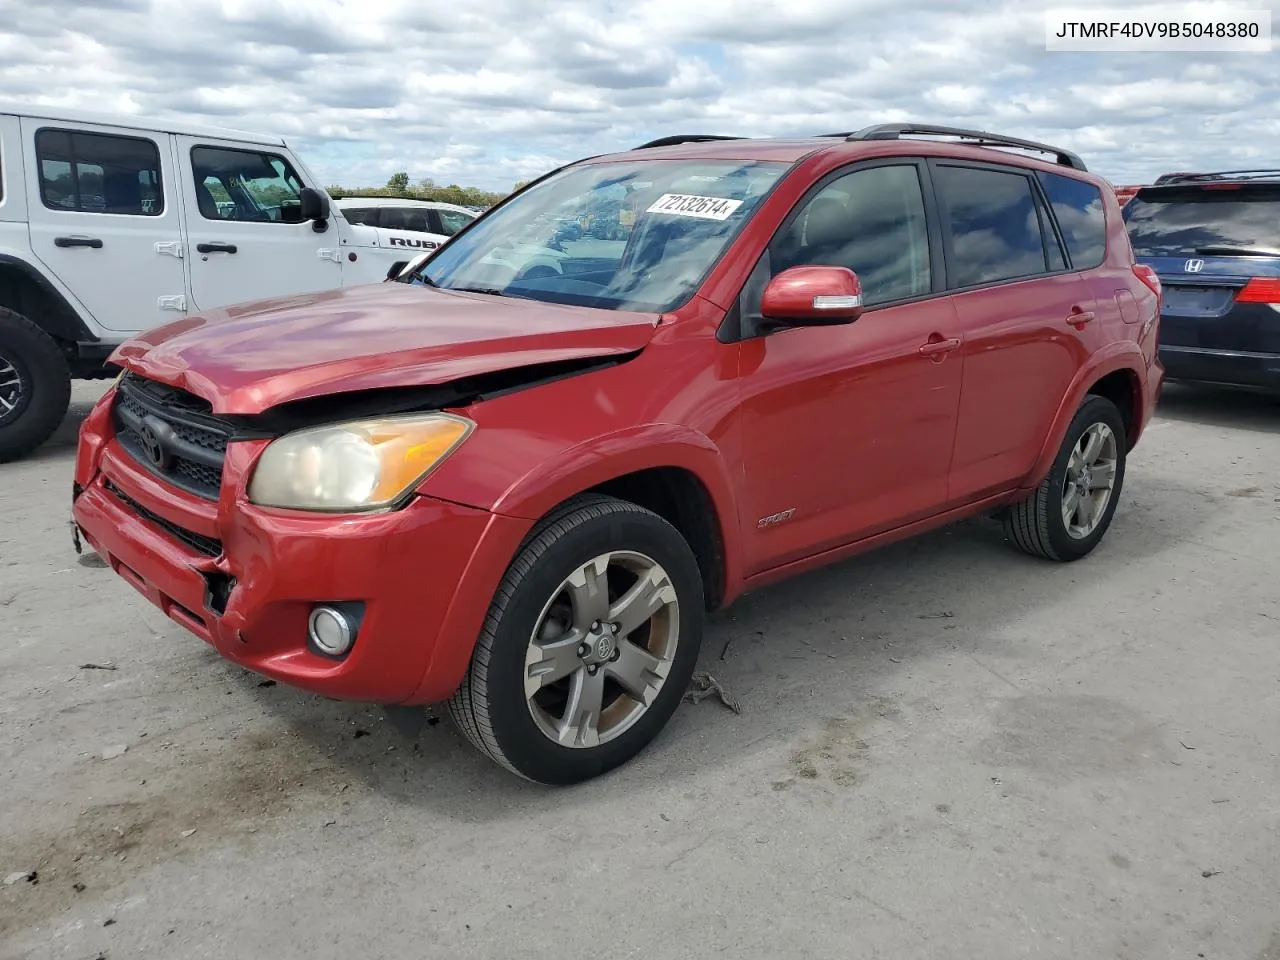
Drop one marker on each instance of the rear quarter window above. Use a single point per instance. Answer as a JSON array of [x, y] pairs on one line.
[[994, 222], [1077, 206]]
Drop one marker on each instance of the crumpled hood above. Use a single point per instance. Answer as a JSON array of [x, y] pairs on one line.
[[252, 356]]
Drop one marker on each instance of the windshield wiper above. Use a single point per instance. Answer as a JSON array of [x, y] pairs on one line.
[[1238, 250], [484, 291]]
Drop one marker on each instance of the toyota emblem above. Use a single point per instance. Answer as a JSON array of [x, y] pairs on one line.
[[151, 445], [1193, 266]]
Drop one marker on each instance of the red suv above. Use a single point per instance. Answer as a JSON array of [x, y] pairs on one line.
[[518, 476]]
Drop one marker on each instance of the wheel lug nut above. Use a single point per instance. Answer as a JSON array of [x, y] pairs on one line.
[[595, 624], [593, 669], [582, 650]]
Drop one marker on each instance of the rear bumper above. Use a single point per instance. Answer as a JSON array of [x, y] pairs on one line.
[[1229, 367], [426, 575]]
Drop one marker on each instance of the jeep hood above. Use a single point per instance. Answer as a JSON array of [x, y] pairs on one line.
[[250, 357]]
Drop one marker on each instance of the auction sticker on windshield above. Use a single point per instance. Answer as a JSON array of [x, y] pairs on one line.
[[690, 205]]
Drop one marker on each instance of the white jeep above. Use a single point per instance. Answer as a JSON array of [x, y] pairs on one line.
[[109, 227]]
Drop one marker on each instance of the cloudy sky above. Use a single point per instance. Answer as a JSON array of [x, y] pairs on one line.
[[493, 91]]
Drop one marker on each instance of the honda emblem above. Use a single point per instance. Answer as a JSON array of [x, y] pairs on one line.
[[1193, 266]]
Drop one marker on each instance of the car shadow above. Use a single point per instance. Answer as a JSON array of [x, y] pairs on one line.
[[829, 644], [1220, 407]]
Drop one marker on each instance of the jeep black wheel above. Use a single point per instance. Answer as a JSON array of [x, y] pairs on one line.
[[1071, 510], [35, 386], [589, 644]]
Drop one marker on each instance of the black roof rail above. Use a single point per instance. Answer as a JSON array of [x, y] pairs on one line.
[[895, 131], [1169, 178], [684, 138]]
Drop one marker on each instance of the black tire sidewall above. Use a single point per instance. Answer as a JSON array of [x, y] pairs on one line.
[[521, 742], [1094, 410], [46, 384]]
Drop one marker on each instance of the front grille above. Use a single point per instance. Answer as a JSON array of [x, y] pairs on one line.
[[196, 541], [172, 433]]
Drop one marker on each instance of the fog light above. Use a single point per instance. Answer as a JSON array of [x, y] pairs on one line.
[[331, 631]]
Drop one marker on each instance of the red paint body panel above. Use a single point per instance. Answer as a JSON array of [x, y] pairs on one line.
[[249, 357], [812, 443]]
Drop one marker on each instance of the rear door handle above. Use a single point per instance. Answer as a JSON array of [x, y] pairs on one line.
[[215, 248], [1078, 318], [78, 242], [936, 348]]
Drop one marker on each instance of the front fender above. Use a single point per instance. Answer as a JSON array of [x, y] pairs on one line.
[[1127, 356], [547, 477]]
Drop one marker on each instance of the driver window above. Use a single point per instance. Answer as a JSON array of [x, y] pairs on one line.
[[871, 221], [245, 185]]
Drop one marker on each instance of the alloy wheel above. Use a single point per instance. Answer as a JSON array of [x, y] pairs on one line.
[[12, 389], [1090, 479], [602, 649]]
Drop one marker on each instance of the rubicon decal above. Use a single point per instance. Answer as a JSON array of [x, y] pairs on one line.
[[412, 242]]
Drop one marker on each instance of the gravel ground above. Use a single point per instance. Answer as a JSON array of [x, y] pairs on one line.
[[946, 750]]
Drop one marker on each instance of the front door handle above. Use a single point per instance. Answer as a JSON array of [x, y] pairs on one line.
[[215, 248], [937, 348], [1078, 318], [93, 242]]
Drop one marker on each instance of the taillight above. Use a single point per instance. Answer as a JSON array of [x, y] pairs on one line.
[[1147, 276], [1260, 290]]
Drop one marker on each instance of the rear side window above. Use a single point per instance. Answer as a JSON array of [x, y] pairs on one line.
[[1077, 206], [1181, 222], [995, 225], [364, 216], [98, 173]]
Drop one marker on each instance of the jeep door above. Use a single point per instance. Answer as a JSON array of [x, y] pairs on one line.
[[104, 214], [847, 430], [245, 236]]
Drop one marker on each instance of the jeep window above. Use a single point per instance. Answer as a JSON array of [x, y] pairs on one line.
[[245, 185], [638, 235], [1181, 222], [97, 173], [363, 216], [451, 221], [1077, 206], [413, 219], [995, 225], [871, 221]]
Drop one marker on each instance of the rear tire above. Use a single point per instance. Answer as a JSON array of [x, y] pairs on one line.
[[560, 636], [1071, 510], [35, 386]]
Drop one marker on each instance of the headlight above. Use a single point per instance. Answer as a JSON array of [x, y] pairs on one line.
[[358, 466]]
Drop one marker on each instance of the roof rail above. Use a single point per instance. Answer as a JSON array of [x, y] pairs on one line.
[[895, 131], [1169, 178], [683, 138]]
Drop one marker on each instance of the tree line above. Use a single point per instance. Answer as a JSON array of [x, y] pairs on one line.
[[400, 186]]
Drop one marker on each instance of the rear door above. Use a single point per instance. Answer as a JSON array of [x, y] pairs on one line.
[[105, 219], [1028, 321], [1216, 249], [246, 239]]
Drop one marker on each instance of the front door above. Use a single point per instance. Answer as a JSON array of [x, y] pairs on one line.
[[104, 213], [245, 238], [847, 430]]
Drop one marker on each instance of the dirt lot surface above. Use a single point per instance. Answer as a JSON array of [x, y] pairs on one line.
[[946, 750]]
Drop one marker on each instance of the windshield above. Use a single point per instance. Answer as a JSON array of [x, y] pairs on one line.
[[621, 236], [1177, 224]]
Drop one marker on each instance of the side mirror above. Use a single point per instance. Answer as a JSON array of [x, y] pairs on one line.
[[813, 297], [395, 269], [314, 205]]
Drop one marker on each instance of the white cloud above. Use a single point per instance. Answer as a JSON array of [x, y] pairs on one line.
[[501, 90]]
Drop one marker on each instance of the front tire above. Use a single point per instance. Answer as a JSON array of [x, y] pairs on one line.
[[1071, 510], [35, 386], [589, 644]]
